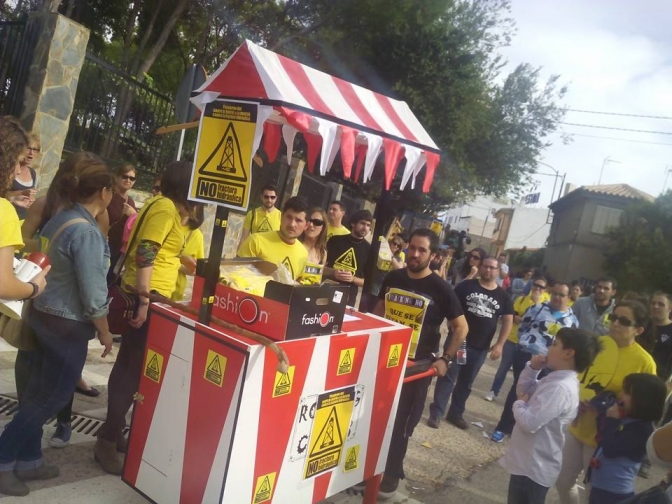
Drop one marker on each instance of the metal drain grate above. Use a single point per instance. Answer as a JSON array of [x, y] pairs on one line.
[[81, 424]]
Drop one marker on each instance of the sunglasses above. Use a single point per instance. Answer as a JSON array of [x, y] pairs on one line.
[[624, 321], [266, 196], [128, 177], [537, 286], [477, 257], [316, 222]]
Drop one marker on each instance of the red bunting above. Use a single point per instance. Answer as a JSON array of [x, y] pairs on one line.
[[272, 136], [394, 151], [432, 162], [360, 150], [348, 137], [314, 143], [300, 120]]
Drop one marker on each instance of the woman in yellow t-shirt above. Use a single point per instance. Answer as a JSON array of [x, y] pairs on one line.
[[620, 356], [314, 238], [152, 265], [13, 150], [193, 250]]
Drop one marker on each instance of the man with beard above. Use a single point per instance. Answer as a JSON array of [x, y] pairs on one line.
[[335, 214], [282, 246], [418, 278], [593, 311], [265, 217], [661, 304], [484, 303], [347, 254]]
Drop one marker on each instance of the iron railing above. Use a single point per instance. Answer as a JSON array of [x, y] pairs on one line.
[[15, 55], [116, 117]]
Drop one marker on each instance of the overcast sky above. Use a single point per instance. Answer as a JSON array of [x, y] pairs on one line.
[[616, 56]]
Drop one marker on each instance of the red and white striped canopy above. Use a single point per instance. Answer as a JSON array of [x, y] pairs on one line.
[[341, 113]]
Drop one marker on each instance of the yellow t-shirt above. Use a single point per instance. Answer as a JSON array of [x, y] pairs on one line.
[[162, 225], [632, 359], [193, 248], [10, 228], [336, 231], [259, 221], [520, 306], [270, 247]]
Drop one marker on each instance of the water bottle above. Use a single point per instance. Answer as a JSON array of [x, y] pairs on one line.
[[461, 357]]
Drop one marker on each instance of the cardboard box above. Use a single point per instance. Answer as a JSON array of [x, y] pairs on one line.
[[285, 312]]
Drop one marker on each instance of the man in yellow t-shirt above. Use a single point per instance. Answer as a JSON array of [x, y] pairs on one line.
[[335, 214], [282, 246], [265, 217], [537, 295]]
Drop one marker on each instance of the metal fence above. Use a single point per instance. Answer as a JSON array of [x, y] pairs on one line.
[[15, 56], [315, 190], [117, 116]]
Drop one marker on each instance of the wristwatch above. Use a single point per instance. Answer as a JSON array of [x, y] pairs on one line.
[[447, 358]]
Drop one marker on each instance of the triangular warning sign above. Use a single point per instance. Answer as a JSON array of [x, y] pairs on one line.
[[347, 260], [263, 492], [214, 367], [284, 381], [352, 456], [287, 264], [330, 437], [265, 226], [346, 361], [153, 364], [226, 161]]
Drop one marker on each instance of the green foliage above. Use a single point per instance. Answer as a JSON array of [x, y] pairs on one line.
[[640, 249], [525, 259]]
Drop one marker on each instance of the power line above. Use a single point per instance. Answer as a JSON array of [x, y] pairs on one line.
[[616, 129], [620, 139], [619, 114]]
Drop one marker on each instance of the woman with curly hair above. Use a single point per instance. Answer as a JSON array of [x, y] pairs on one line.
[[13, 150]]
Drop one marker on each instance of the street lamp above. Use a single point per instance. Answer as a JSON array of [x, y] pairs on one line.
[[557, 176], [606, 161], [668, 170]]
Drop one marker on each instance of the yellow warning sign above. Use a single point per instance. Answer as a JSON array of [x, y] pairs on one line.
[[407, 308], [394, 356], [345, 361], [153, 366], [215, 365], [351, 458], [265, 226], [263, 490], [283, 382], [223, 167], [347, 261], [330, 426]]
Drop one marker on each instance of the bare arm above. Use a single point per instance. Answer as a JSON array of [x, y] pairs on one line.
[[30, 225], [459, 329], [10, 287], [507, 323], [104, 335]]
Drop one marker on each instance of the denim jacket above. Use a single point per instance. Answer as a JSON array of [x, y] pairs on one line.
[[80, 257]]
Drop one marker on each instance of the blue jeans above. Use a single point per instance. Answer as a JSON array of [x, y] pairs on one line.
[[56, 367], [599, 496], [457, 381], [505, 363], [522, 490], [507, 420]]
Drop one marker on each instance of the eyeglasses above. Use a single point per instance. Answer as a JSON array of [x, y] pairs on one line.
[[559, 294], [537, 286], [485, 266], [267, 196], [34, 149], [477, 257], [624, 321], [316, 222], [128, 177]]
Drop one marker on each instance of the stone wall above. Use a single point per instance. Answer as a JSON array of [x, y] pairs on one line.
[[49, 96]]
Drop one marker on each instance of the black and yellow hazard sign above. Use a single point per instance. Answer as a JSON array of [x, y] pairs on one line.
[[263, 490], [347, 261], [153, 366], [394, 356], [407, 308], [351, 458], [264, 226], [330, 426], [215, 365], [288, 264], [345, 361], [223, 167], [283, 382]]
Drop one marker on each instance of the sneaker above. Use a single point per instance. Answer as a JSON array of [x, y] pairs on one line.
[[458, 422], [388, 487], [490, 396], [433, 422], [644, 471], [497, 436], [61, 437]]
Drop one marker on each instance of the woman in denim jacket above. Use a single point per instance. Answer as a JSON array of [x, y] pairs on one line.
[[67, 315]]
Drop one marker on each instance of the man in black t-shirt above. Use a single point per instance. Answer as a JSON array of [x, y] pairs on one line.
[[347, 254], [484, 303], [661, 303], [443, 304]]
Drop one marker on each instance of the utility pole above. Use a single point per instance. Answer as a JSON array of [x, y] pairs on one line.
[[606, 161], [668, 169]]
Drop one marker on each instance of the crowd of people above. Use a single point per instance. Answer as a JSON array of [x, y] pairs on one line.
[[589, 372]]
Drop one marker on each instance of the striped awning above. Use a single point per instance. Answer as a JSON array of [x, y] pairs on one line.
[[332, 114]]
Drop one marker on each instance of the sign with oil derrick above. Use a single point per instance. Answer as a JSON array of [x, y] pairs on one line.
[[407, 308], [330, 428], [223, 163]]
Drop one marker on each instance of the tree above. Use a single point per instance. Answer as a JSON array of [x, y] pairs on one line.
[[640, 248]]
